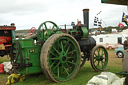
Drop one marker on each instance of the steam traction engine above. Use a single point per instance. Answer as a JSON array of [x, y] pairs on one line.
[[7, 33], [59, 53]]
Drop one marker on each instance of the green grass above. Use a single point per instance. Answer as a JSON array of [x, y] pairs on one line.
[[110, 49], [4, 59], [84, 75]]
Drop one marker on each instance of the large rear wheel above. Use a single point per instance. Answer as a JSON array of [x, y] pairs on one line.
[[61, 57]]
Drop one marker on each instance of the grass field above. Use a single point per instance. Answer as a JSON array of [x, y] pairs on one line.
[[84, 75], [4, 59]]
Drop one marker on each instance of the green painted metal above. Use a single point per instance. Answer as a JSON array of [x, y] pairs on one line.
[[72, 31], [118, 2], [85, 32], [99, 58], [45, 30], [30, 54]]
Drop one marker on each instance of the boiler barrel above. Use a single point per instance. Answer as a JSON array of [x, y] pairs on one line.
[[87, 44]]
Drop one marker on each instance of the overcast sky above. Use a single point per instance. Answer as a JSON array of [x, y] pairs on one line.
[[31, 13]]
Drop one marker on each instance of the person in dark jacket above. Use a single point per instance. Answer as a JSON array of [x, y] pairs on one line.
[[125, 44], [125, 60]]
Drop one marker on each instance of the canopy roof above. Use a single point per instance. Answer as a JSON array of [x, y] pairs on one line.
[[119, 2], [7, 27]]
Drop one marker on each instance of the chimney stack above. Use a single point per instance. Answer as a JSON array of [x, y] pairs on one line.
[[86, 17]]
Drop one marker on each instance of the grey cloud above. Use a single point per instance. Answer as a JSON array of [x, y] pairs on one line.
[[28, 13], [18, 7]]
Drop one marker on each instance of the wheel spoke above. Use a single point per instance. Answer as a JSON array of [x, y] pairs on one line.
[[71, 63], [45, 26], [98, 63], [58, 72], [102, 63], [69, 57], [52, 64], [95, 61], [95, 54], [54, 58], [53, 27], [66, 44], [67, 50], [95, 57], [99, 66], [61, 69], [62, 47], [58, 46], [103, 52], [98, 51], [72, 51], [56, 50], [67, 65], [52, 53], [56, 66], [65, 70]]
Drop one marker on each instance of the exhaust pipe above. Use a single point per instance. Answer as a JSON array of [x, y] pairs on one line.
[[86, 17]]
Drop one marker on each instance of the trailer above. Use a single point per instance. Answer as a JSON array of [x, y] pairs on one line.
[[7, 33], [110, 41]]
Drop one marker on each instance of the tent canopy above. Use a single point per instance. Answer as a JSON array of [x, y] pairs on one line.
[[119, 2]]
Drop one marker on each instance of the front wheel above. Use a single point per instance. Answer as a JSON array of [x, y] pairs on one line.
[[99, 58], [120, 54]]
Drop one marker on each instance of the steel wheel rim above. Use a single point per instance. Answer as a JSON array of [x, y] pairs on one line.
[[100, 59], [63, 62], [120, 54]]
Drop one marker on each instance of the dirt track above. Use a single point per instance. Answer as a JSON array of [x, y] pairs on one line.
[[113, 59]]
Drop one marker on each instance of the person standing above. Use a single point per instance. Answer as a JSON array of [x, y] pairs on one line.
[[126, 44], [125, 60]]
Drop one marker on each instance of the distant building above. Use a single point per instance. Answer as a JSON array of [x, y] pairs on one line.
[[110, 41]]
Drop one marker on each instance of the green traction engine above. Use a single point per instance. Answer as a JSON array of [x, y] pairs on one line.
[[58, 53]]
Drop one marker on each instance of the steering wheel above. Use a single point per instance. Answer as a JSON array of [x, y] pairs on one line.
[[32, 31]]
